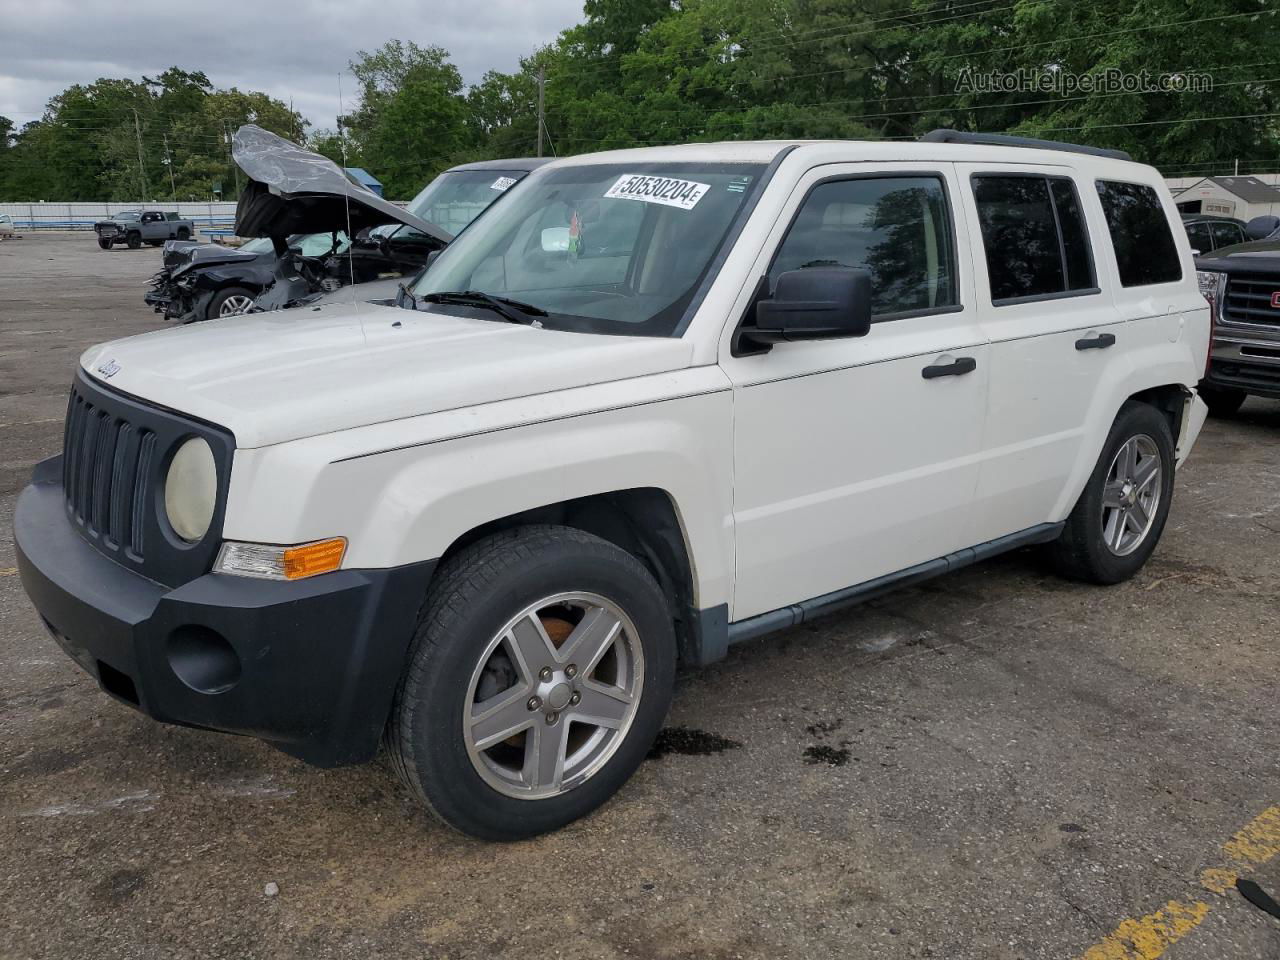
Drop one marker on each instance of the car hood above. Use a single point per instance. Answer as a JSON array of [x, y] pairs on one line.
[[280, 376], [181, 255], [1259, 256], [292, 190]]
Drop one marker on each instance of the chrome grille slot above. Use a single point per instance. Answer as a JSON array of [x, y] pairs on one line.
[[1249, 300]]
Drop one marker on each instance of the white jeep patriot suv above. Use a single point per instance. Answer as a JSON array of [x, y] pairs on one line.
[[660, 402]]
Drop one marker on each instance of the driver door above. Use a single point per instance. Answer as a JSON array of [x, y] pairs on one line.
[[851, 462]]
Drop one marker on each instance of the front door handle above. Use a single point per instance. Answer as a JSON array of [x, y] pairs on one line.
[[956, 368], [1099, 342]]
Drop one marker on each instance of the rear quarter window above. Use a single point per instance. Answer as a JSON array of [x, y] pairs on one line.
[[1140, 234]]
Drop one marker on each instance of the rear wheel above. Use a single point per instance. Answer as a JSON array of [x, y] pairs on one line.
[[230, 302], [540, 673], [1222, 401], [184, 233], [104, 243], [134, 240], [1120, 515]]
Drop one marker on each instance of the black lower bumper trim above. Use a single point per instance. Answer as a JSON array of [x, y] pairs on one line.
[[1258, 379], [310, 666]]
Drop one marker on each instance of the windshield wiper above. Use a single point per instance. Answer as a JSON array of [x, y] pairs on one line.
[[513, 311]]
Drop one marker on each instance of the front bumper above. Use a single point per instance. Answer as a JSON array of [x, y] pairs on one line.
[[1244, 362], [310, 666]]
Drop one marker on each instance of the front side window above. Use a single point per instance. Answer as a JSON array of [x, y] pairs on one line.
[[1034, 236], [1140, 235], [898, 229], [602, 248]]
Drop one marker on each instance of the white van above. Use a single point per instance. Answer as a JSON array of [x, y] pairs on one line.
[[658, 402]]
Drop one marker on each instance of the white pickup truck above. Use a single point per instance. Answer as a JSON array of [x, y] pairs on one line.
[[661, 401]]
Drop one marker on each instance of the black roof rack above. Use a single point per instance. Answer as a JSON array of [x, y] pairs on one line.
[[1004, 140]]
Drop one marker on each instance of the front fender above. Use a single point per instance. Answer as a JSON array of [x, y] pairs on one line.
[[410, 503]]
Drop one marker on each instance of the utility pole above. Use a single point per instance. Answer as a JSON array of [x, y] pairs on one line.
[[542, 104], [226, 132], [168, 162], [142, 173]]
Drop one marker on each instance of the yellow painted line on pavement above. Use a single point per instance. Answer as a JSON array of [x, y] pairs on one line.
[[1147, 938], [8, 571]]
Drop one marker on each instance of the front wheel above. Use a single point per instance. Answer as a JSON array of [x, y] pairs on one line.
[[230, 302], [1120, 515], [134, 240], [539, 676]]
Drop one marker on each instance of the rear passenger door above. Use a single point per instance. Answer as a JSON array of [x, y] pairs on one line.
[[1051, 328], [850, 462]]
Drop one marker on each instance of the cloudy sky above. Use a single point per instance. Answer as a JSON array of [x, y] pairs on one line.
[[289, 50]]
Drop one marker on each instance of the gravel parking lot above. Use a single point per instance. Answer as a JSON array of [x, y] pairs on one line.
[[997, 764]]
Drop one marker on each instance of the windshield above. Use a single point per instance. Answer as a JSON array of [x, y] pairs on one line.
[[311, 244], [603, 248], [453, 200], [126, 215]]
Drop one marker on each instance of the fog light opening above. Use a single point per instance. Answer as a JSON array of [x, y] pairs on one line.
[[203, 659]]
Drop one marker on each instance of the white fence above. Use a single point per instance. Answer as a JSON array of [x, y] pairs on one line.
[[207, 217]]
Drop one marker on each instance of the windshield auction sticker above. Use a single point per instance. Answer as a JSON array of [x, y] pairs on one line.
[[502, 183], [684, 194]]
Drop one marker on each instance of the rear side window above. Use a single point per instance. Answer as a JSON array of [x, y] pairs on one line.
[[898, 229], [1145, 252], [1034, 235]]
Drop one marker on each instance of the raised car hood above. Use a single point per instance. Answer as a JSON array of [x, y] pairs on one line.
[[274, 377], [292, 190]]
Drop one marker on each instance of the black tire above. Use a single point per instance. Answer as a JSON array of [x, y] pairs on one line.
[[1081, 552], [470, 599], [134, 240], [184, 233], [1222, 401], [213, 311], [104, 243]]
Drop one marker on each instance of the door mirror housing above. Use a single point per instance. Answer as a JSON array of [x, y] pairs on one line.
[[814, 303]]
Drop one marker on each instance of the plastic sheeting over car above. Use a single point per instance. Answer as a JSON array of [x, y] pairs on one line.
[[293, 190]]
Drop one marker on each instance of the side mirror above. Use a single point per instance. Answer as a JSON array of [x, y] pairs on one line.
[[816, 303]]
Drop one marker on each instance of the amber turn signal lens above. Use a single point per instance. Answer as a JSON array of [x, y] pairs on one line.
[[313, 558]]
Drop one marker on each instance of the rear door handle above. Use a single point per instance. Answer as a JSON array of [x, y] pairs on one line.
[[956, 368], [1099, 342]]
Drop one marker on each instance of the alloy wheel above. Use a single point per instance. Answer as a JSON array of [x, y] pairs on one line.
[[553, 695], [1131, 495], [235, 305]]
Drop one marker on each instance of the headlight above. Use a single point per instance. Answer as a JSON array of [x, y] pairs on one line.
[[191, 490], [268, 561], [1213, 287]]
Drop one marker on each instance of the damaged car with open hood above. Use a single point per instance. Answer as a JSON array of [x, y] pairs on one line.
[[314, 231]]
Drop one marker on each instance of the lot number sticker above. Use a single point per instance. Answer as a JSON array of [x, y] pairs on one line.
[[684, 194], [502, 183]]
